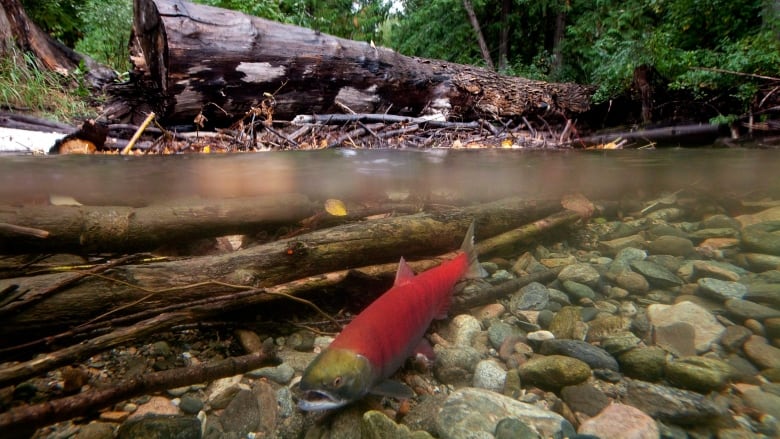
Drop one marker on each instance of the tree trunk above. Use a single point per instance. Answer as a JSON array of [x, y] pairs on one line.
[[200, 59], [337, 248], [503, 43], [558, 36], [16, 27], [483, 47]]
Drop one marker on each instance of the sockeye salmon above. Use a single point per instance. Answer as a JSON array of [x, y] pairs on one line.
[[377, 342]]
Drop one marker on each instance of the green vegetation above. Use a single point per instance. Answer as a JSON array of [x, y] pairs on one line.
[[694, 49], [23, 85]]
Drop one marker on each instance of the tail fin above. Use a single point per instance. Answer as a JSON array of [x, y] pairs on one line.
[[475, 270]]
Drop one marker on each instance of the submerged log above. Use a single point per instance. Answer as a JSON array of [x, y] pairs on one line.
[[338, 248], [221, 63]]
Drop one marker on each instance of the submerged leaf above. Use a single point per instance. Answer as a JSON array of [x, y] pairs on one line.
[[335, 207]]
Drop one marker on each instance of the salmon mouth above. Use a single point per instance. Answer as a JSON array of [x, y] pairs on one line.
[[320, 400]]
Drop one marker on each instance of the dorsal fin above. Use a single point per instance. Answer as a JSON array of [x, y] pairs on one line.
[[404, 273], [475, 271]]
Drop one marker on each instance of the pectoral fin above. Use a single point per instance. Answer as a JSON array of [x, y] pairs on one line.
[[393, 389]]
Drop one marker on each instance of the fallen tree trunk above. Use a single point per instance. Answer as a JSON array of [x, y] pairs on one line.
[[123, 229], [220, 63], [347, 246]]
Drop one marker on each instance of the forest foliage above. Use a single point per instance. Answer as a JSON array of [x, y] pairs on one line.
[[695, 46]]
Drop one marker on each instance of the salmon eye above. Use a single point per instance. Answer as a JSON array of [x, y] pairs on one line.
[[337, 382]]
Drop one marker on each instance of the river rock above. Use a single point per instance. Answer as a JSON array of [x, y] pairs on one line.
[[761, 353], [474, 413], [607, 326], [772, 327], [745, 309], [464, 328], [594, 356], [762, 237], [554, 371], [180, 427], [734, 336], [644, 363], [657, 275], [670, 245], [455, 365], [614, 246], [511, 428], [621, 342], [533, 296], [722, 271], [96, 430], [620, 421], [720, 289], [584, 398], [578, 291], [679, 338], [632, 282], [668, 404], [281, 374], [565, 322], [706, 326], [488, 374], [761, 400], [581, 273], [498, 331], [376, 425], [702, 374]]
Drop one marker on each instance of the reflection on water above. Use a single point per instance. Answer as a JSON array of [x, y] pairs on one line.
[[358, 174]]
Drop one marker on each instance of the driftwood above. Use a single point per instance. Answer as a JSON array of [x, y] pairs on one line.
[[197, 59], [699, 134], [122, 229], [337, 248], [22, 421], [161, 319]]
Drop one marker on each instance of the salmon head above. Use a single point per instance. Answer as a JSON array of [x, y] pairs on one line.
[[334, 379]]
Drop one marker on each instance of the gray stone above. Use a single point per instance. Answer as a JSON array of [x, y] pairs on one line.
[[488, 374], [772, 327], [702, 374], [762, 238], [190, 405], [645, 363], [475, 413], [716, 270], [242, 414], [672, 405], [720, 289], [719, 221], [578, 291], [554, 371], [511, 428], [161, 427], [376, 425], [533, 296], [498, 331], [455, 365], [581, 273], [594, 356], [584, 398], [745, 309], [614, 246], [678, 338], [281, 374], [670, 245], [763, 401], [764, 292], [656, 274]]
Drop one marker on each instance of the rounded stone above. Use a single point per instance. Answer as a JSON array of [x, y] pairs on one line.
[[670, 245], [554, 371], [702, 374], [632, 282], [644, 363], [580, 273], [488, 374], [465, 328], [720, 289]]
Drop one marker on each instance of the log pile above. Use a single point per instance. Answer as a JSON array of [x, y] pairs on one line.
[[195, 61]]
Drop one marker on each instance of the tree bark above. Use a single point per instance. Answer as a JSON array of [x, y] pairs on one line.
[[483, 47], [197, 59], [346, 246], [16, 26], [123, 229], [503, 43]]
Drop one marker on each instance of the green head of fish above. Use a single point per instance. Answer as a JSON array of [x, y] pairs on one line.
[[334, 379]]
